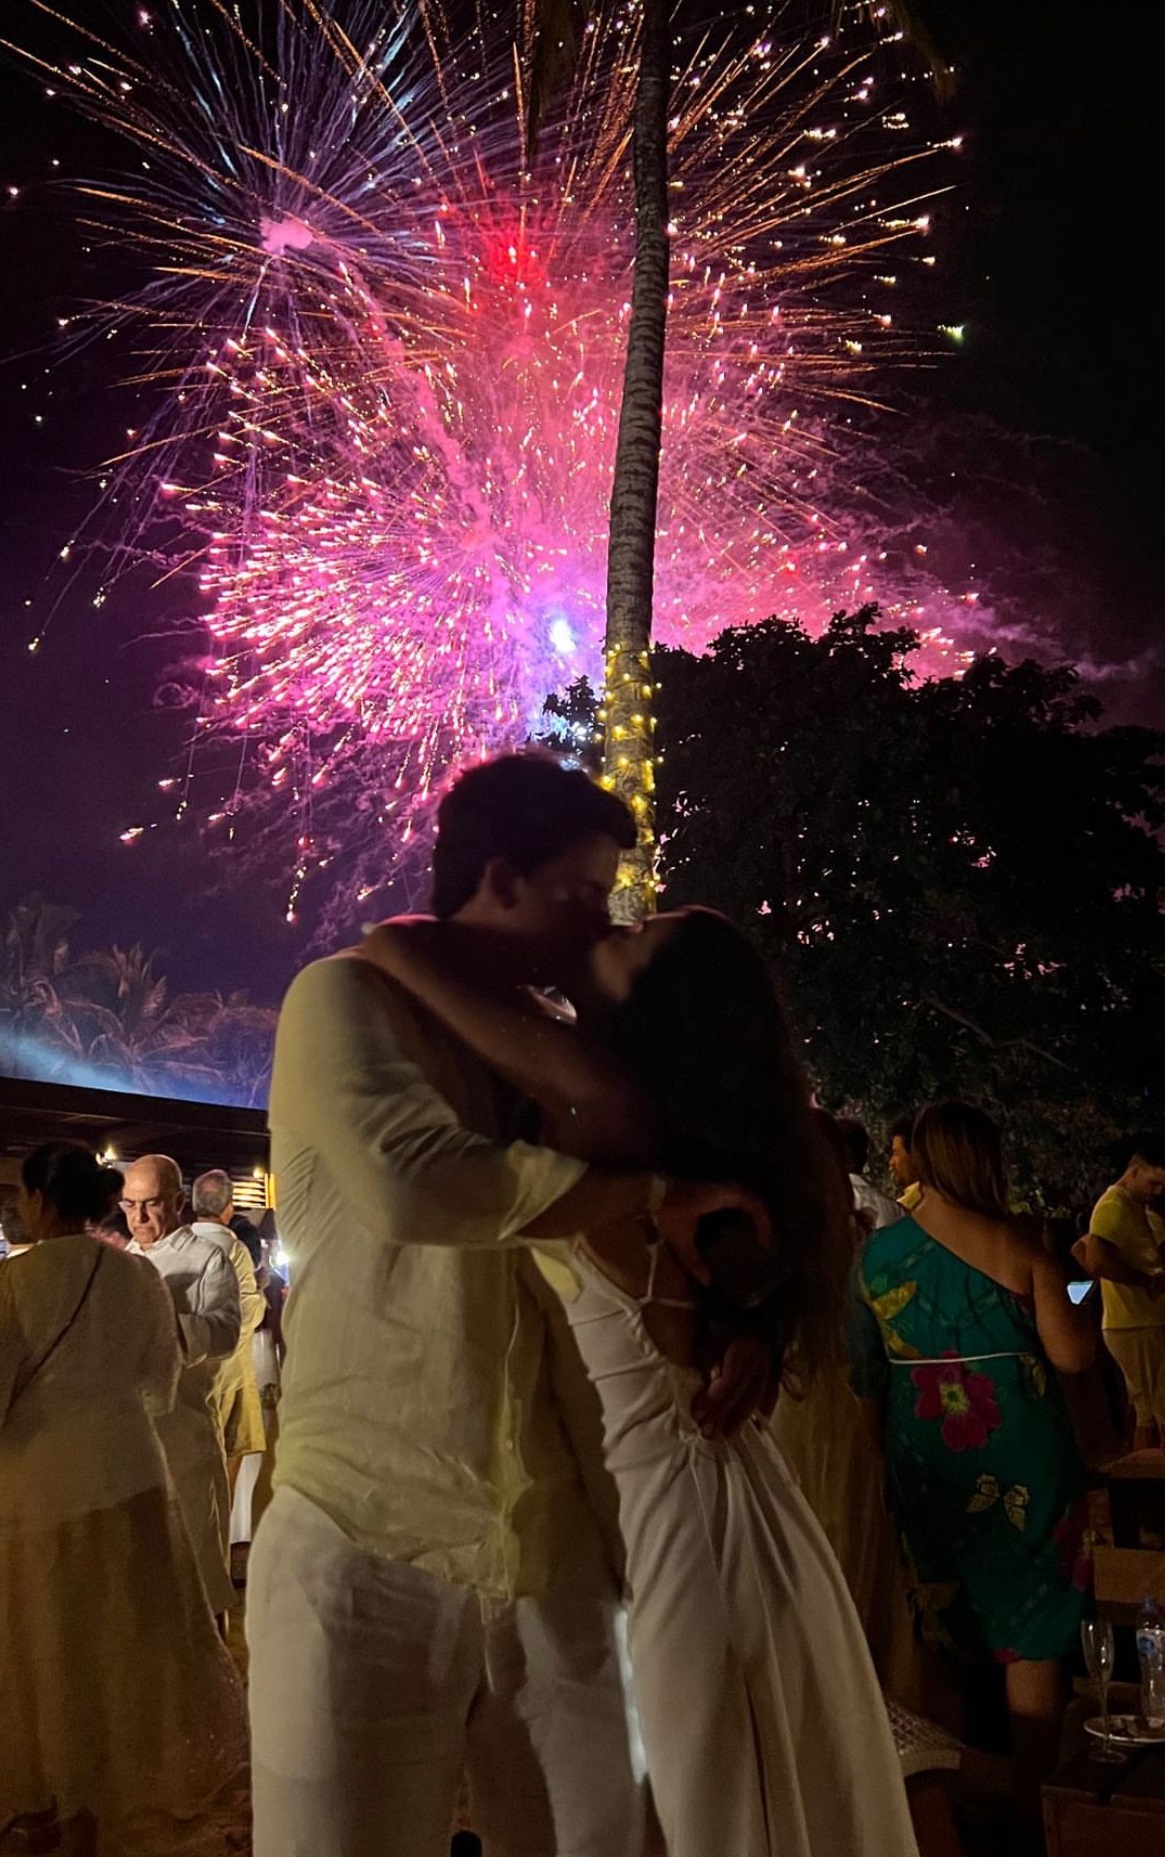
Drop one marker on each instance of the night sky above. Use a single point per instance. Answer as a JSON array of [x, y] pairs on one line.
[[1046, 255]]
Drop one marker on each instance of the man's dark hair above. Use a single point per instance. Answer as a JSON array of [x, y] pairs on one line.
[[857, 1143], [1147, 1146], [903, 1127], [527, 808], [704, 1032]]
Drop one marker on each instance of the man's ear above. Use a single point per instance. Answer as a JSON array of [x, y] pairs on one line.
[[500, 881]]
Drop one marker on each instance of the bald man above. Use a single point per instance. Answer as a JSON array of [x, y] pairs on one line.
[[205, 1293]]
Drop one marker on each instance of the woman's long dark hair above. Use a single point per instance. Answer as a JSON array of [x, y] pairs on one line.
[[72, 1179], [706, 1034]]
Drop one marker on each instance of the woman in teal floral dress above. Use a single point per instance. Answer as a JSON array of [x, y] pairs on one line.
[[959, 1319]]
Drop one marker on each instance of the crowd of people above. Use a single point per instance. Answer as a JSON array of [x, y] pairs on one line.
[[638, 1455], [128, 1400]]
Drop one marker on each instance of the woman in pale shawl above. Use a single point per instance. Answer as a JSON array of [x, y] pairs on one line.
[[122, 1708]]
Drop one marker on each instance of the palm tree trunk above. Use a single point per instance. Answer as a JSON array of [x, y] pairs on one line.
[[629, 753]]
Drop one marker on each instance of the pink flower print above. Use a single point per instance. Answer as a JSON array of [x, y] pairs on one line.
[[964, 1401]]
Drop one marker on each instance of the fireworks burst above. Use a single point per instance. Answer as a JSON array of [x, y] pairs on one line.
[[390, 355]]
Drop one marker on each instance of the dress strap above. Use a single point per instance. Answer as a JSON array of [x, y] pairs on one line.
[[954, 1360], [660, 1302]]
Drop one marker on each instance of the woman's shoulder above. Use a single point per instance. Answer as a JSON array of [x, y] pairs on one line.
[[71, 1255], [55, 1281], [1003, 1248]]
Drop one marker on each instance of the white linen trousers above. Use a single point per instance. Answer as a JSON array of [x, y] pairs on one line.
[[375, 1687]]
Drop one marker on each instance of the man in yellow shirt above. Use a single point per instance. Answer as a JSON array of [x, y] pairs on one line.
[[1124, 1248], [902, 1163], [236, 1391]]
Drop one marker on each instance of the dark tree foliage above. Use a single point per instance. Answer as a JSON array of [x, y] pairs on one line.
[[960, 883]]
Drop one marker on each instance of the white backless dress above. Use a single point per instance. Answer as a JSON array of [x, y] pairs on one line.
[[764, 1724]]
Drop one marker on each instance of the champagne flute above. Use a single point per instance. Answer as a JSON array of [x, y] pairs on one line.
[[1099, 1652]]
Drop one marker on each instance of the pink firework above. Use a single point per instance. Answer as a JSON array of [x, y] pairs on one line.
[[391, 359]]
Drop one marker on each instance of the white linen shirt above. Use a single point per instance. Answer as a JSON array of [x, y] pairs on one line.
[[204, 1290], [867, 1198], [433, 1402], [252, 1303]]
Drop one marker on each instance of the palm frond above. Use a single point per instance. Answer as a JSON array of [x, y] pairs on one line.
[[557, 31], [911, 21]]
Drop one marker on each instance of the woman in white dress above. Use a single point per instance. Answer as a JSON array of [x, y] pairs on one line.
[[122, 1708], [765, 1729]]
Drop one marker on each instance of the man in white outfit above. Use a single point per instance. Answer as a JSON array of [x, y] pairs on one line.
[[431, 1592], [876, 1209], [205, 1293]]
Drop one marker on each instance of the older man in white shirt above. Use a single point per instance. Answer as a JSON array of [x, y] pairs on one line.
[[431, 1591], [205, 1294]]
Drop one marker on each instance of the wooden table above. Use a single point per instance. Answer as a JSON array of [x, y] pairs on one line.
[[1094, 1809]]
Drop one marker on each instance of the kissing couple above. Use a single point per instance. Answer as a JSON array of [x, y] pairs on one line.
[[551, 1269]]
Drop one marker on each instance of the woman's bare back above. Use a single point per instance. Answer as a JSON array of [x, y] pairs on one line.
[[1000, 1248], [658, 1283]]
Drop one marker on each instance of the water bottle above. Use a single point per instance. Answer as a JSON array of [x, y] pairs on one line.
[[1151, 1651]]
